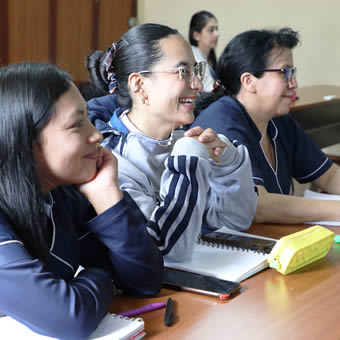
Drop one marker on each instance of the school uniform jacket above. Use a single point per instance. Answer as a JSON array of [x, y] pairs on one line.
[[296, 154], [177, 187], [114, 248]]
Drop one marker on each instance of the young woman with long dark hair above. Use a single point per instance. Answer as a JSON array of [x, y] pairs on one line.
[[203, 37], [61, 208]]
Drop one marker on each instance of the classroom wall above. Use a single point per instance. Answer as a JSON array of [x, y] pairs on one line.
[[317, 21]]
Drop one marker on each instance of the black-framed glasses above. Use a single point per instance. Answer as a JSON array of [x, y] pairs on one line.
[[188, 72], [290, 72]]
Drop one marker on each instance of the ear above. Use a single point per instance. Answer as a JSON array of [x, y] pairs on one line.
[[136, 85], [196, 36], [135, 82], [248, 81]]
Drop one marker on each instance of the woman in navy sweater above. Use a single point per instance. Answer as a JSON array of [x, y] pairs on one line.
[[48, 228], [258, 79]]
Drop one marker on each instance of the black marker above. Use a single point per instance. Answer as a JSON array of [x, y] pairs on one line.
[[168, 317]]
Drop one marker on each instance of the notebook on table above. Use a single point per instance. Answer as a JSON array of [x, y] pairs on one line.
[[119, 327], [113, 327], [227, 258], [322, 196]]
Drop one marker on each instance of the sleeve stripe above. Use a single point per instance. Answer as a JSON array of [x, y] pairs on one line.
[[166, 215], [190, 208], [315, 171], [169, 199], [11, 241]]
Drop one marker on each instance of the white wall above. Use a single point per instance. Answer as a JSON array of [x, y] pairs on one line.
[[318, 22]]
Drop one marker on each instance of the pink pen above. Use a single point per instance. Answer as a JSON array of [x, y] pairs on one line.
[[143, 309]]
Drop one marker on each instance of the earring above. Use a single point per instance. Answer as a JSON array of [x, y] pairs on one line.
[[143, 100]]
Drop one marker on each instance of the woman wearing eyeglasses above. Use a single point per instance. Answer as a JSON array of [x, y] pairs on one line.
[[258, 79], [179, 180]]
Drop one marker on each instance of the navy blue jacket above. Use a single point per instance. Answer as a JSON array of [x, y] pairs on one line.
[[114, 248], [101, 110], [296, 153]]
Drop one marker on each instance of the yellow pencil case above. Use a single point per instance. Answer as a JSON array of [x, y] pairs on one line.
[[295, 251]]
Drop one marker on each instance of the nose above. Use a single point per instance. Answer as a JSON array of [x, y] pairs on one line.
[[94, 135], [196, 83], [292, 83]]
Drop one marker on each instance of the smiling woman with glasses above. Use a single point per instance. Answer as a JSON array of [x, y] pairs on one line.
[[187, 72], [258, 83], [180, 181]]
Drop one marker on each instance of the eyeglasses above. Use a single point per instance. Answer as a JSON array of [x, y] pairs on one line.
[[289, 71], [188, 72]]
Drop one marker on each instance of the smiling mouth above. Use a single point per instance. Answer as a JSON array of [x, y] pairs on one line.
[[190, 101], [288, 96]]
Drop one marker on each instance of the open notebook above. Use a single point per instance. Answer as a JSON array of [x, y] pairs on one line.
[[225, 263], [321, 196], [113, 327]]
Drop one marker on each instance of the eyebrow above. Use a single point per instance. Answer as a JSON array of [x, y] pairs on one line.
[[181, 63], [184, 63], [74, 115], [287, 66], [78, 112]]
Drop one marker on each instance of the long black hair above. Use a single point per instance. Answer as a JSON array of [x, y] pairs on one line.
[[249, 51], [28, 94], [137, 50], [197, 23]]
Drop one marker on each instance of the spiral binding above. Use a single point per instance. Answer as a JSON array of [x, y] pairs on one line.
[[113, 324], [229, 244], [116, 316]]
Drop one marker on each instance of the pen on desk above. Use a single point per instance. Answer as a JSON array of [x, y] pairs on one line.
[[143, 309], [169, 316]]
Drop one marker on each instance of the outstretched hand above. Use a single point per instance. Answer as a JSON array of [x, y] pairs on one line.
[[209, 138]]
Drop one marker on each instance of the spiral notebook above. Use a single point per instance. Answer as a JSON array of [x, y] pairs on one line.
[[226, 260], [113, 327]]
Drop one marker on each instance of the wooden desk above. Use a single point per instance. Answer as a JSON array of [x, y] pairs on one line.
[[302, 305], [319, 117]]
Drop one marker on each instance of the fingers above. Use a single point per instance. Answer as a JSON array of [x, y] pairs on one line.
[[218, 151], [109, 158], [100, 156], [204, 136], [207, 136], [215, 145], [195, 131]]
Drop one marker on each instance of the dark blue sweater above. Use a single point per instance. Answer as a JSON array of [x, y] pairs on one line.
[[113, 246]]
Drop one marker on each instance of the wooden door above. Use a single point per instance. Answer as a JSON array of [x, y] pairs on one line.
[[63, 32]]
